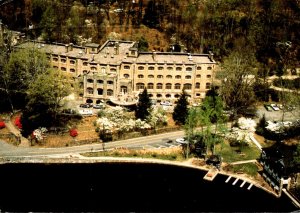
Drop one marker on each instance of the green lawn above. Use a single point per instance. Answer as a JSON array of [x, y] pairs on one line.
[[230, 154]]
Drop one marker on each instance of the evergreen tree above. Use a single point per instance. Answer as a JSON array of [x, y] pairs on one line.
[[181, 110], [143, 107]]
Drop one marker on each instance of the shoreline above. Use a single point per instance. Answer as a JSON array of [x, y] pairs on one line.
[[77, 158]]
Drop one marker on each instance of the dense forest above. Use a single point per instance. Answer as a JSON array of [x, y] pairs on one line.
[[220, 26]]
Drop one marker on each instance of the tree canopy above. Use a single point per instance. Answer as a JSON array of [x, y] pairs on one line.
[[180, 112], [143, 106]]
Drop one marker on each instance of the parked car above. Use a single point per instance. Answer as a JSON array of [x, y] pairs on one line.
[[86, 112], [166, 103], [181, 141], [275, 107], [268, 107], [86, 105], [98, 106]]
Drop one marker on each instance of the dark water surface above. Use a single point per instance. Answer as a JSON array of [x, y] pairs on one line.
[[127, 187]]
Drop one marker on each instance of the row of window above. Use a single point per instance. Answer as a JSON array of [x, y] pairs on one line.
[[169, 86], [99, 81], [100, 91], [169, 76], [127, 67], [170, 68]]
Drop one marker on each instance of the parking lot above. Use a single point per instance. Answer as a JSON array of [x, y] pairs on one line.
[[277, 115]]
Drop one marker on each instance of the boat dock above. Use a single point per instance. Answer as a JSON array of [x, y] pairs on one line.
[[211, 174]]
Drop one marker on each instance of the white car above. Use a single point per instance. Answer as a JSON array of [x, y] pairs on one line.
[[166, 103], [181, 141], [275, 107], [86, 112]]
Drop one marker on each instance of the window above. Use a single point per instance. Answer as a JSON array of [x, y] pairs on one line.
[[93, 68], [100, 81], [197, 86], [188, 77], [141, 68], [168, 86], [90, 90], [169, 68], [126, 76], [169, 76], [85, 63], [150, 95], [198, 76], [150, 86], [168, 95], [177, 96], [63, 60], [209, 68], [110, 92], [140, 86], [177, 86], [178, 68], [63, 69], [72, 61], [207, 86], [72, 70], [151, 68], [178, 77], [199, 68], [110, 82], [160, 68], [208, 76], [55, 67], [113, 70], [100, 91], [160, 76], [103, 69], [198, 94], [90, 80], [159, 95], [126, 67], [150, 76], [159, 86], [140, 76], [55, 59], [189, 69], [187, 86]]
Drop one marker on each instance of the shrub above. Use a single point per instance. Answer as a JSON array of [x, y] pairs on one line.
[[73, 133], [2, 124], [18, 122]]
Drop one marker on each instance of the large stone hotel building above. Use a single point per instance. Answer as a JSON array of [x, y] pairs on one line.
[[117, 71]]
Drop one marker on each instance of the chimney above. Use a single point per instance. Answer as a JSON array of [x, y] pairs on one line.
[[154, 55], [67, 48], [70, 46], [210, 55], [117, 46]]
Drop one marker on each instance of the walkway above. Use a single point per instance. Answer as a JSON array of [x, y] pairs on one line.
[[243, 161]]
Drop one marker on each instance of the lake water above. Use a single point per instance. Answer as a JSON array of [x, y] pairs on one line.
[[127, 187]]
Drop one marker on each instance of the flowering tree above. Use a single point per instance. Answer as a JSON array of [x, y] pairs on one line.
[[157, 117], [117, 120], [73, 132], [39, 134], [242, 134], [2, 124], [18, 122]]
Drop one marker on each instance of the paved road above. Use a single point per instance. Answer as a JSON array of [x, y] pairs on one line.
[[7, 150]]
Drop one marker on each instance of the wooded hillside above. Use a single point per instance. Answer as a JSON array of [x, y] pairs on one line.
[[198, 25]]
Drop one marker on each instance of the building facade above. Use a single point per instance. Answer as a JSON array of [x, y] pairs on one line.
[[118, 72]]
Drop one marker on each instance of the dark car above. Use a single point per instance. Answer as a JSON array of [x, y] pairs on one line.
[[98, 106], [84, 105]]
